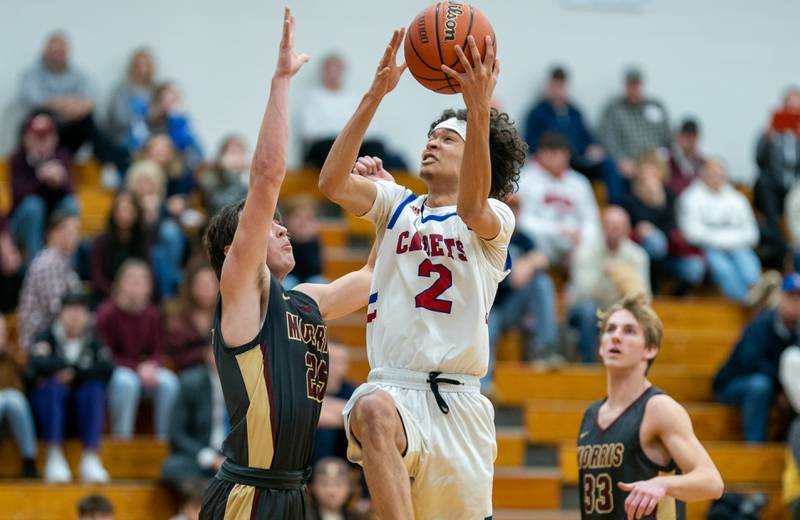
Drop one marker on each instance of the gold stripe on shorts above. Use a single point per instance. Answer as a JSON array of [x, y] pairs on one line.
[[240, 503]]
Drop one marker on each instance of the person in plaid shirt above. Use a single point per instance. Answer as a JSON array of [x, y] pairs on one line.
[[633, 124], [49, 277]]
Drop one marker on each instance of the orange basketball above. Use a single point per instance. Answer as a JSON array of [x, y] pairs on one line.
[[431, 39]]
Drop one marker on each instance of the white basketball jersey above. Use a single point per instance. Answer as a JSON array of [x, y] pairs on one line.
[[433, 285]]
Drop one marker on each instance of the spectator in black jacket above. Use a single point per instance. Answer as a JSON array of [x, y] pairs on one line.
[[749, 378], [331, 490], [70, 368], [198, 425]]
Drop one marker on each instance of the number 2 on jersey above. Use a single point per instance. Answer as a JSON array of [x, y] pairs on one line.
[[429, 298]]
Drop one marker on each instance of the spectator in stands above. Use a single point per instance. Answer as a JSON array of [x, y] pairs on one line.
[[41, 181], [11, 269], [14, 409], [189, 320], [792, 216], [54, 83], [130, 102], [131, 326], [331, 491], [198, 424], [303, 227], [124, 238], [604, 271], [718, 219], [685, 158], [168, 116], [778, 159], [70, 368], [330, 440], [147, 183], [652, 211], [95, 507], [326, 109], [49, 277], [191, 497], [633, 124], [749, 378], [178, 176], [525, 300], [225, 182], [558, 208], [555, 113]]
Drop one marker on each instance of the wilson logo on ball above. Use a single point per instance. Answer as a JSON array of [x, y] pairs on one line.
[[454, 10]]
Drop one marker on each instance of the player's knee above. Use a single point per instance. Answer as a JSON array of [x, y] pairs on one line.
[[375, 416]]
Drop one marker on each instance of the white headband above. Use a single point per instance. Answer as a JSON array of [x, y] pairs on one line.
[[458, 126]]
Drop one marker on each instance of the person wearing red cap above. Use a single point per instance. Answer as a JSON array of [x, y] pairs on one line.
[[41, 181]]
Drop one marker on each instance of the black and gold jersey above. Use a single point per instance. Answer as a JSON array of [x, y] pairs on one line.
[[612, 455], [274, 384]]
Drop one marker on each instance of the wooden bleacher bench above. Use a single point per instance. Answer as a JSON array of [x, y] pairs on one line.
[[136, 459], [551, 422], [26, 500], [518, 383]]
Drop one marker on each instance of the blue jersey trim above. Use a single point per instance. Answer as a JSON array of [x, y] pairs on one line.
[[373, 297], [399, 210], [438, 218], [508, 261]]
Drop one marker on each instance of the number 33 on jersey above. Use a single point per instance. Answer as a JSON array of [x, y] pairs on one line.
[[434, 278]]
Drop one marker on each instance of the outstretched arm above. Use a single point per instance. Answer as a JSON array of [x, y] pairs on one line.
[[354, 193], [700, 479], [246, 257], [475, 179], [350, 292]]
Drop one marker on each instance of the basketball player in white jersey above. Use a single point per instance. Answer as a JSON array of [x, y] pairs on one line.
[[420, 427]]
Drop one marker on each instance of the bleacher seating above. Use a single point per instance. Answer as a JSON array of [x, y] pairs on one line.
[[699, 334]]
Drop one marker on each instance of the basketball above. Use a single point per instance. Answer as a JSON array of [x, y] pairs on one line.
[[432, 37]]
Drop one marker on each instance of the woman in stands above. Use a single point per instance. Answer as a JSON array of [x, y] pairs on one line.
[[638, 456]]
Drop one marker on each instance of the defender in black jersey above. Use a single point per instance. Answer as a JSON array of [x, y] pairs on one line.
[[638, 456], [270, 344]]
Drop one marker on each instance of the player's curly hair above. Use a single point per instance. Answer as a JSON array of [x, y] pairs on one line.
[[506, 149]]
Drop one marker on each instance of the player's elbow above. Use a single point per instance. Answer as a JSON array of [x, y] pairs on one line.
[[328, 184], [470, 214], [716, 486]]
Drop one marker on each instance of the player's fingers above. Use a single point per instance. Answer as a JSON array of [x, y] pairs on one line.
[[496, 69], [644, 501], [463, 59], [450, 72], [378, 162], [488, 61], [398, 39], [624, 486], [403, 66], [303, 58], [651, 506], [630, 506], [286, 28], [474, 52]]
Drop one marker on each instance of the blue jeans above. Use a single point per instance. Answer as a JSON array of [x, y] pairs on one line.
[[15, 409], [125, 390], [52, 401], [167, 257], [733, 270], [754, 394], [688, 269], [28, 221], [583, 317], [538, 297]]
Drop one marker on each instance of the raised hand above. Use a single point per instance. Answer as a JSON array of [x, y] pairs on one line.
[[479, 77], [371, 168], [289, 62], [389, 72]]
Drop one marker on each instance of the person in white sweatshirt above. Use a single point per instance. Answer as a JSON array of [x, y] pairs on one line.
[[558, 208], [719, 220]]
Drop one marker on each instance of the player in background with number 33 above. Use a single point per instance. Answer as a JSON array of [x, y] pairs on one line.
[[420, 427]]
